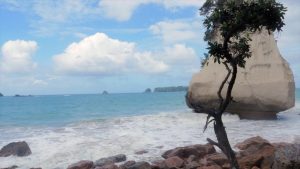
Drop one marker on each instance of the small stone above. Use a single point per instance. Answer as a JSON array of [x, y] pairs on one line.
[[15, 148], [84, 164], [141, 152]]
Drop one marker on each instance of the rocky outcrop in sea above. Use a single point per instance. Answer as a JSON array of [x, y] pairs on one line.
[[263, 88]]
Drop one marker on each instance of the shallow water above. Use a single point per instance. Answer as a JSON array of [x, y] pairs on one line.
[[129, 126]]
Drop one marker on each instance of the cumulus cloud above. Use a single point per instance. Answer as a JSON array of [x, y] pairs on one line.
[[177, 31], [17, 56], [99, 54], [180, 54]]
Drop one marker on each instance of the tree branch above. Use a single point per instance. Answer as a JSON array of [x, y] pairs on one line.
[[223, 83]]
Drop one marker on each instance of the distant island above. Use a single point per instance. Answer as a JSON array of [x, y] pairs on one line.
[[148, 90], [1, 95], [17, 95], [171, 89], [104, 92]]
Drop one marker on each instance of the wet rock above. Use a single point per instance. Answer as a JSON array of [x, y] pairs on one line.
[[127, 164], [140, 165], [11, 167], [15, 148], [159, 164], [141, 152], [184, 152], [110, 160], [84, 164], [287, 156], [108, 166], [173, 162]]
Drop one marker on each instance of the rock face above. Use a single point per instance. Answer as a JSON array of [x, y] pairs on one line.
[[15, 148], [263, 88]]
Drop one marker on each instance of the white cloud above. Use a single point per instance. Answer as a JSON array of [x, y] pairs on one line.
[[177, 31], [101, 55], [180, 54], [122, 10], [38, 82], [17, 56]]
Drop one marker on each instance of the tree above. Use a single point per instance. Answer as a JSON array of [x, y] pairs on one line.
[[229, 24]]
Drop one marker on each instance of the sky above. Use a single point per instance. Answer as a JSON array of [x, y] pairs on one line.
[[87, 46]]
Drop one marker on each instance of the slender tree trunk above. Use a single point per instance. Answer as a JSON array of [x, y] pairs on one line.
[[223, 142]]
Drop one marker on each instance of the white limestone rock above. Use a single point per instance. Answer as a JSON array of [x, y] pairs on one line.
[[263, 88]]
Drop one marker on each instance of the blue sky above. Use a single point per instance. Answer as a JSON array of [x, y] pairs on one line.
[[87, 46]]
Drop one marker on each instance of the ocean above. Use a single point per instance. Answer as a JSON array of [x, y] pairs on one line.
[[63, 129]]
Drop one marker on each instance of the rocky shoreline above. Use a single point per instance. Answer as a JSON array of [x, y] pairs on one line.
[[254, 153]]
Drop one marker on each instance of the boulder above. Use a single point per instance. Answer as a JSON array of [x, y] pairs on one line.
[[218, 158], [173, 162], [140, 165], [197, 150], [84, 164], [256, 151], [110, 160], [109, 166], [263, 88], [210, 167], [287, 156], [15, 148], [127, 164]]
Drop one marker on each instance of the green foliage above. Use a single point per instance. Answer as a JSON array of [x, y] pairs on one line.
[[235, 20]]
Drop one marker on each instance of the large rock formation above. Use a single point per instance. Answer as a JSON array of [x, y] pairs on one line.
[[263, 88]]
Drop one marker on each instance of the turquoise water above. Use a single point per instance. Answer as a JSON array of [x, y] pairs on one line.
[[63, 109], [61, 130]]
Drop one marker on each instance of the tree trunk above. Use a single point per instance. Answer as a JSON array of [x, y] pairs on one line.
[[223, 142]]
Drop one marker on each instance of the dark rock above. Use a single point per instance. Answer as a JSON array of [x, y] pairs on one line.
[[110, 160], [173, 162], [196, 150], [15, 148], [140, 165], [141, 152], [12, 167], [84, 164], [127, 164], [287, 156], [159, 164], [109, 166]]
